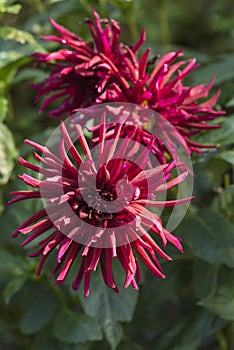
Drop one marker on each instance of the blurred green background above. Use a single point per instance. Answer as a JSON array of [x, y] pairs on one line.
[[193, 309]]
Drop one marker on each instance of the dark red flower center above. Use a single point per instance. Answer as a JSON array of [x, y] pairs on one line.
[[103, 197], [107, 195]]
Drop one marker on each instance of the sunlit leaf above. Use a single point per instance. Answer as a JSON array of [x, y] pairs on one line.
[[3, 108], [222, 136], [22, 37], [7, 154], [6, 7], [223, 70]]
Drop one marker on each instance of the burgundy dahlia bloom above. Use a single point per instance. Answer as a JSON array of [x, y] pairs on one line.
[[163, 90], [82, 70], [106, 70], [99, 205]]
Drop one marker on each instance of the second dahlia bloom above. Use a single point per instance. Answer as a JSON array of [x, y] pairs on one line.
[[163, 90], [100, 205], [82, 70], [84, 74]]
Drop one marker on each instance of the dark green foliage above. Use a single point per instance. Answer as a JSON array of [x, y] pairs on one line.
[[193, 309]]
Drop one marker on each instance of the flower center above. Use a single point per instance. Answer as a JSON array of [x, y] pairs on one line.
[[107, 196], [100, 201]]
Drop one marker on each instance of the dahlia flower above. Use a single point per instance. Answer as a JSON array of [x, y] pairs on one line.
[[80, 72], [163, 91], [100, 205], [106, 70]]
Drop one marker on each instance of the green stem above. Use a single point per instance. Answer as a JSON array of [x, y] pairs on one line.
[[215, 278], [227, 182], [220, 198], [164, 25], [230, 335], [221, 339], [133, 27]]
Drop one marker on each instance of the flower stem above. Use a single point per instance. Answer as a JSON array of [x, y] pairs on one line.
[[164, 25], [230, 335], [222, 341]]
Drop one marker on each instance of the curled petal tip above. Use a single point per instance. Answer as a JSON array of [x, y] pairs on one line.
[[86, 294]]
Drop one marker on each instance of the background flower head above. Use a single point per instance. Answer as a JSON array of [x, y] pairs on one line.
[[82, 70], [106, 70], [162, 89]]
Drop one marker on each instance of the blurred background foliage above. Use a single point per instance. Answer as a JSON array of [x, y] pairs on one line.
[[193, 309]]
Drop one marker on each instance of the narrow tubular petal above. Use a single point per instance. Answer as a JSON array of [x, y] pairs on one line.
[[143, 63], [77, 281], [71, 148], [83, 141], [86, 283], [121, 253], [102, 135], [159, 204], [106, 268], [37, 216], [176, 241], [22, 195], [66, 161], [145, 258], [71, 257], [37, 232]]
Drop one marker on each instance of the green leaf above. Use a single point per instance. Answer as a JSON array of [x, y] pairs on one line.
[[215, 169], [30, 74], [210, 236], [223, 70], [13, 287], [17, 213], [222, 303], [12, 59], [227, 196], [222, 136], [44, 340], [204, 277], [10, 264], [110, 308], [6, 334], [15, 50], [228, 156], [187, 333], [3, 108], [7, 154], [73, 327], [230, 103], [6, 8], [40, 306], [22, 37], [78, 346]]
